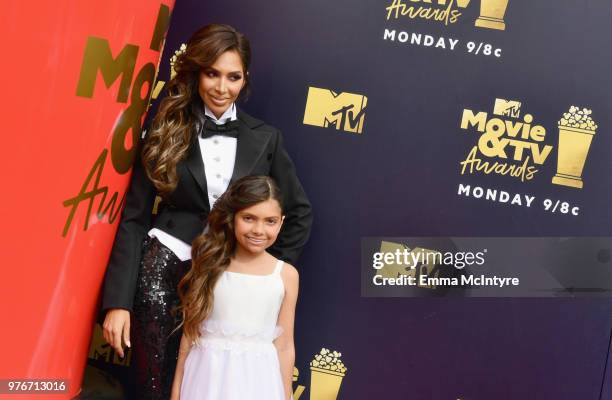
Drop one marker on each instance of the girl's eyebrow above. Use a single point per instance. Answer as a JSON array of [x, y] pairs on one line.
[[255, 216]]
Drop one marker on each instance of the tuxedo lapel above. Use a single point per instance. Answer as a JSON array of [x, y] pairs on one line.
[[195, 165], [250, 146]]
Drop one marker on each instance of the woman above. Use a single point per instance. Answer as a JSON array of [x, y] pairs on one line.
[[199, 143]]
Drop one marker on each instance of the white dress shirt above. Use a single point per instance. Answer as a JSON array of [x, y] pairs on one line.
[[219, 156]]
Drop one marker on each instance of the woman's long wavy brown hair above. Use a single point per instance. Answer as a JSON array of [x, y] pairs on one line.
[[181, 112], [212, 251]]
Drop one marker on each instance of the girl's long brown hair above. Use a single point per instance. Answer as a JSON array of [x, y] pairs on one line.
[[181, 112], [211, 251]]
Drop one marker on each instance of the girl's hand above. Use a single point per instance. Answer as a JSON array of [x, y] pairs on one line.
[[117, 325]]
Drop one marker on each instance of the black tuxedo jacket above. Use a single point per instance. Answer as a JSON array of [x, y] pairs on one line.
[[183, 214]]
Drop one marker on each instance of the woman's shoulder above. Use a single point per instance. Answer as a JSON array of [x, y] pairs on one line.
[[254, 123]]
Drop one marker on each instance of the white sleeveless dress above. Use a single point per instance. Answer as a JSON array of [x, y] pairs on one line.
[[235, 359]]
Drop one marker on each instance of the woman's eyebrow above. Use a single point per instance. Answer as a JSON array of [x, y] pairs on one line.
[[211, 69]]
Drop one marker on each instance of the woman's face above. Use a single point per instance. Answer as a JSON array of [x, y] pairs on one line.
[[221, 83], [257, 227]]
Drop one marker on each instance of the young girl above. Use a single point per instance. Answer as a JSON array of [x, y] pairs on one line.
[[238, 302]]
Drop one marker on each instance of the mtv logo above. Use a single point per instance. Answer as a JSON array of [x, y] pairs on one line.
[[326, 108], [507, 108], [100, 350], [409, 269], [394, 270]]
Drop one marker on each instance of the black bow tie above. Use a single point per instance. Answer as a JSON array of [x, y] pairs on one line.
[[229, 129]]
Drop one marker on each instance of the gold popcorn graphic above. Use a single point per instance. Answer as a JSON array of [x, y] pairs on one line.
[[159, 85], [576, 131], [173, 59], [507, 108], [326, 108], [326, 374], [492, 14]]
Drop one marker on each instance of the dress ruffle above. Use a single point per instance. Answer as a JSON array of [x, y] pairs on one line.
[[225, 336], [232, 331]]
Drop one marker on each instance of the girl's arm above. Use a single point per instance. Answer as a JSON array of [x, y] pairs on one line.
[[286, 317], [180, 368]]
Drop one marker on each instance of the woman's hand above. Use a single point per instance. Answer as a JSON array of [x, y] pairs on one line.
[[117, 326]]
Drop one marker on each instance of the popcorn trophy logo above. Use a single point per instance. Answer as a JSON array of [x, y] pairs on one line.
[[326, 108], [492, 14], [326, 374], [576, 131]]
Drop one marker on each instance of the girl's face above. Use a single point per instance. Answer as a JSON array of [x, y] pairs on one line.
[[221, 83], [257, 227]]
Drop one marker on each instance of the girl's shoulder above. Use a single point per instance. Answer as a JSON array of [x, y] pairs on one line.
[[289, 273]]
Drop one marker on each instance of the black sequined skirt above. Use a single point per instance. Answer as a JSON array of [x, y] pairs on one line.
[[155, 345]]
